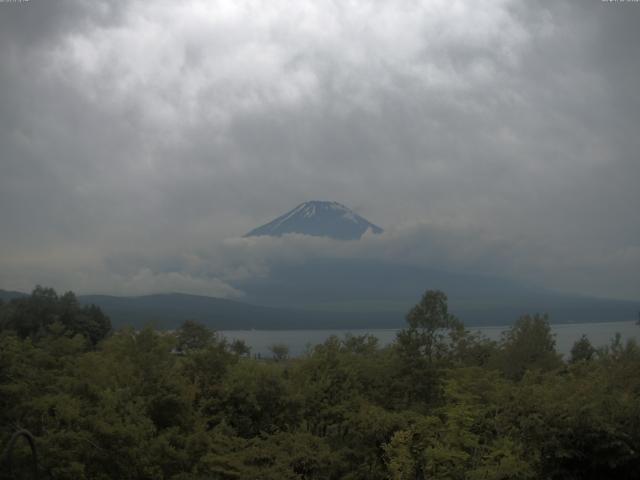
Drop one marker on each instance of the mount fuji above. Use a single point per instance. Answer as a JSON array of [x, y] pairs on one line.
[[322, 219]]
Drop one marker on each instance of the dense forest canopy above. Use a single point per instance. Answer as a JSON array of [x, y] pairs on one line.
[[438, 403]]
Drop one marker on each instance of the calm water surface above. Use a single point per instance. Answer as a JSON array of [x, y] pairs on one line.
[[299, 341]]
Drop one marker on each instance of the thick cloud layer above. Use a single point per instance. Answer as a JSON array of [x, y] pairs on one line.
[[139, 138]]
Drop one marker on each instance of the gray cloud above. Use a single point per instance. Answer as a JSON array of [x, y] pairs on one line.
[[139, 138]]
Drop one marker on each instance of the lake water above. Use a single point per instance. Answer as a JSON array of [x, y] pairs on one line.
[[299, 341]]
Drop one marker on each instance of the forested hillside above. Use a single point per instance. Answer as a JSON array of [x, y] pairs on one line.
[[439, 403]]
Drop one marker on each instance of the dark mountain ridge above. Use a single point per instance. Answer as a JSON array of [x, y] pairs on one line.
[[170, 310], [326, 311], [6, 295], [359, 285]]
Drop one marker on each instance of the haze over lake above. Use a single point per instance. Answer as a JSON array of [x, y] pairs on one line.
[[298, 341]]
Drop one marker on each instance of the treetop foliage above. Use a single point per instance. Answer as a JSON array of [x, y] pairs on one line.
[[45, 313], [438, 403]]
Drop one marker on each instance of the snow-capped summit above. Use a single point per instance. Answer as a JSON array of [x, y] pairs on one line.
[[324, 219]]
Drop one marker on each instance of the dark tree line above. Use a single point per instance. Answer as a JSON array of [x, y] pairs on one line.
[[439, 403], [45, 313]]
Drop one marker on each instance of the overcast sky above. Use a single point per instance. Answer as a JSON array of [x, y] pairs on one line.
[[140, 139]]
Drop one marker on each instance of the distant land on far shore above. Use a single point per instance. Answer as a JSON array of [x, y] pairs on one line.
[[168, 311]]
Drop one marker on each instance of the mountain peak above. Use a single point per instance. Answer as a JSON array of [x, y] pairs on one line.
[[318, 218]]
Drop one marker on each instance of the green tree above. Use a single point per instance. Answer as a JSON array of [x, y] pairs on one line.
[[280, 351], [88, 320], [257, 398], [437, 404], [31, 316], [431, 327], [240, 348], [193, 335], [529, 344], [425, 347], [44, 313], [582, 350], [360, 344]]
